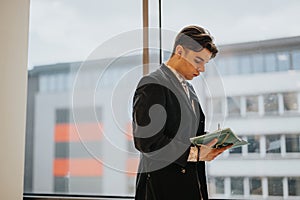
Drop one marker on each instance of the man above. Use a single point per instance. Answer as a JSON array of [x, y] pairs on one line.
[[166, 113]]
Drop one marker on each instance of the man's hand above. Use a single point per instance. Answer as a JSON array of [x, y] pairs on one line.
[[207, 153]]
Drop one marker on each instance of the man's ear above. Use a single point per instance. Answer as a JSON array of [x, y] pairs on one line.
[[179, 50]]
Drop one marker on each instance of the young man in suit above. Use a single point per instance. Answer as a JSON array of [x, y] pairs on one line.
[[166, 113]]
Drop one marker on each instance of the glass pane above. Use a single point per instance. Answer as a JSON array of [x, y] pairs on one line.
[[84, 62], [294, 186], [217, 106], [237, 186], [271, 104], [252, 104], [270, 62], [219, 185], [236, 150], [234, 107], [283, 61], [275, 186], [258, 63], [254, 143], [245, 64], [292, 143], [255, 68], [273, 144], [290, 101], [255, 186], [233, 66], [296, 59]]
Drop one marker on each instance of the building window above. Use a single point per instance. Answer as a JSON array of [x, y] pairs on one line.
[[275, 186], [270, 62], [290, 101], [237, 186], [258, 63], [252, 104], [219, 185], [273, 144], [234, 106], [222, 65], [294, 186], [245, 65], [255, 186], [216, 105], [253, 146], [271, 103], [296, 59], [235, 150], [292, 143], [233, 65], [283, 59]]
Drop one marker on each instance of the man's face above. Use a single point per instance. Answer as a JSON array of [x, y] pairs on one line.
[[191, 63]]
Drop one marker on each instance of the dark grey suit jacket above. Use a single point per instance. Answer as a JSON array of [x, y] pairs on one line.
[[163, 122]]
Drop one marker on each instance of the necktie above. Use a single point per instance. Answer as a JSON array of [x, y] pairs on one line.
[[186, 89]]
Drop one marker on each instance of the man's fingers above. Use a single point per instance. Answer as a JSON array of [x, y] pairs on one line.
[[212, 143]]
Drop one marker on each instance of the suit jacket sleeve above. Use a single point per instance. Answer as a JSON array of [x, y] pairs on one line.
[[145, 97]]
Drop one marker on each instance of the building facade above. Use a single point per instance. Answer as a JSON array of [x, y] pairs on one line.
[[79, 136]]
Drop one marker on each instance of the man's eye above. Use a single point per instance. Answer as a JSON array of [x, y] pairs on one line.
[[198, 61]]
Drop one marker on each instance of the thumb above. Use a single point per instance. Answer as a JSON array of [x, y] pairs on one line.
[[212, 143]]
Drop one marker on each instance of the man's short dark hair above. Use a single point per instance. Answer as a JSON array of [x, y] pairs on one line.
[[195, 38]]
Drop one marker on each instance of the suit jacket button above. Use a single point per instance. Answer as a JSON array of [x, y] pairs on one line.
[[183, 170]]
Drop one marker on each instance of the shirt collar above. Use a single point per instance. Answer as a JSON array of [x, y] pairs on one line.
[[177, 74]]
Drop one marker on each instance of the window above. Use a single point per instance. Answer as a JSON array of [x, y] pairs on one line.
[[254, 142], [237, 150], [290, 101], [234, 107], [222, 66], [292, 143], [294, 186], [296, 59], [252, 104], [245, 64], [273, 144], [67, 153], [219, 185], [216, 105], [258, 63], [283, 61], [233, 66], [270, 62], [255, 186], [237, 186], [271, 104], [275, 186]]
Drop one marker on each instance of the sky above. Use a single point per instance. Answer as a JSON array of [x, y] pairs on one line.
[[70, 30]]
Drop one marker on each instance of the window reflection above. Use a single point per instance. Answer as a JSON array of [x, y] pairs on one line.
[[275, 186], [270, 62], [290, 101], [255, 184], [283, 61], [294, 186], [271, 103], [292, 143], [296, 59], [273, 144], [234, 106], [245, 64], [252, 104], [253, 146], [237, 186], [258, 63]]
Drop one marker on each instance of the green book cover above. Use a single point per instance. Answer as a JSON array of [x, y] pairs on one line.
[[225, 137]]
